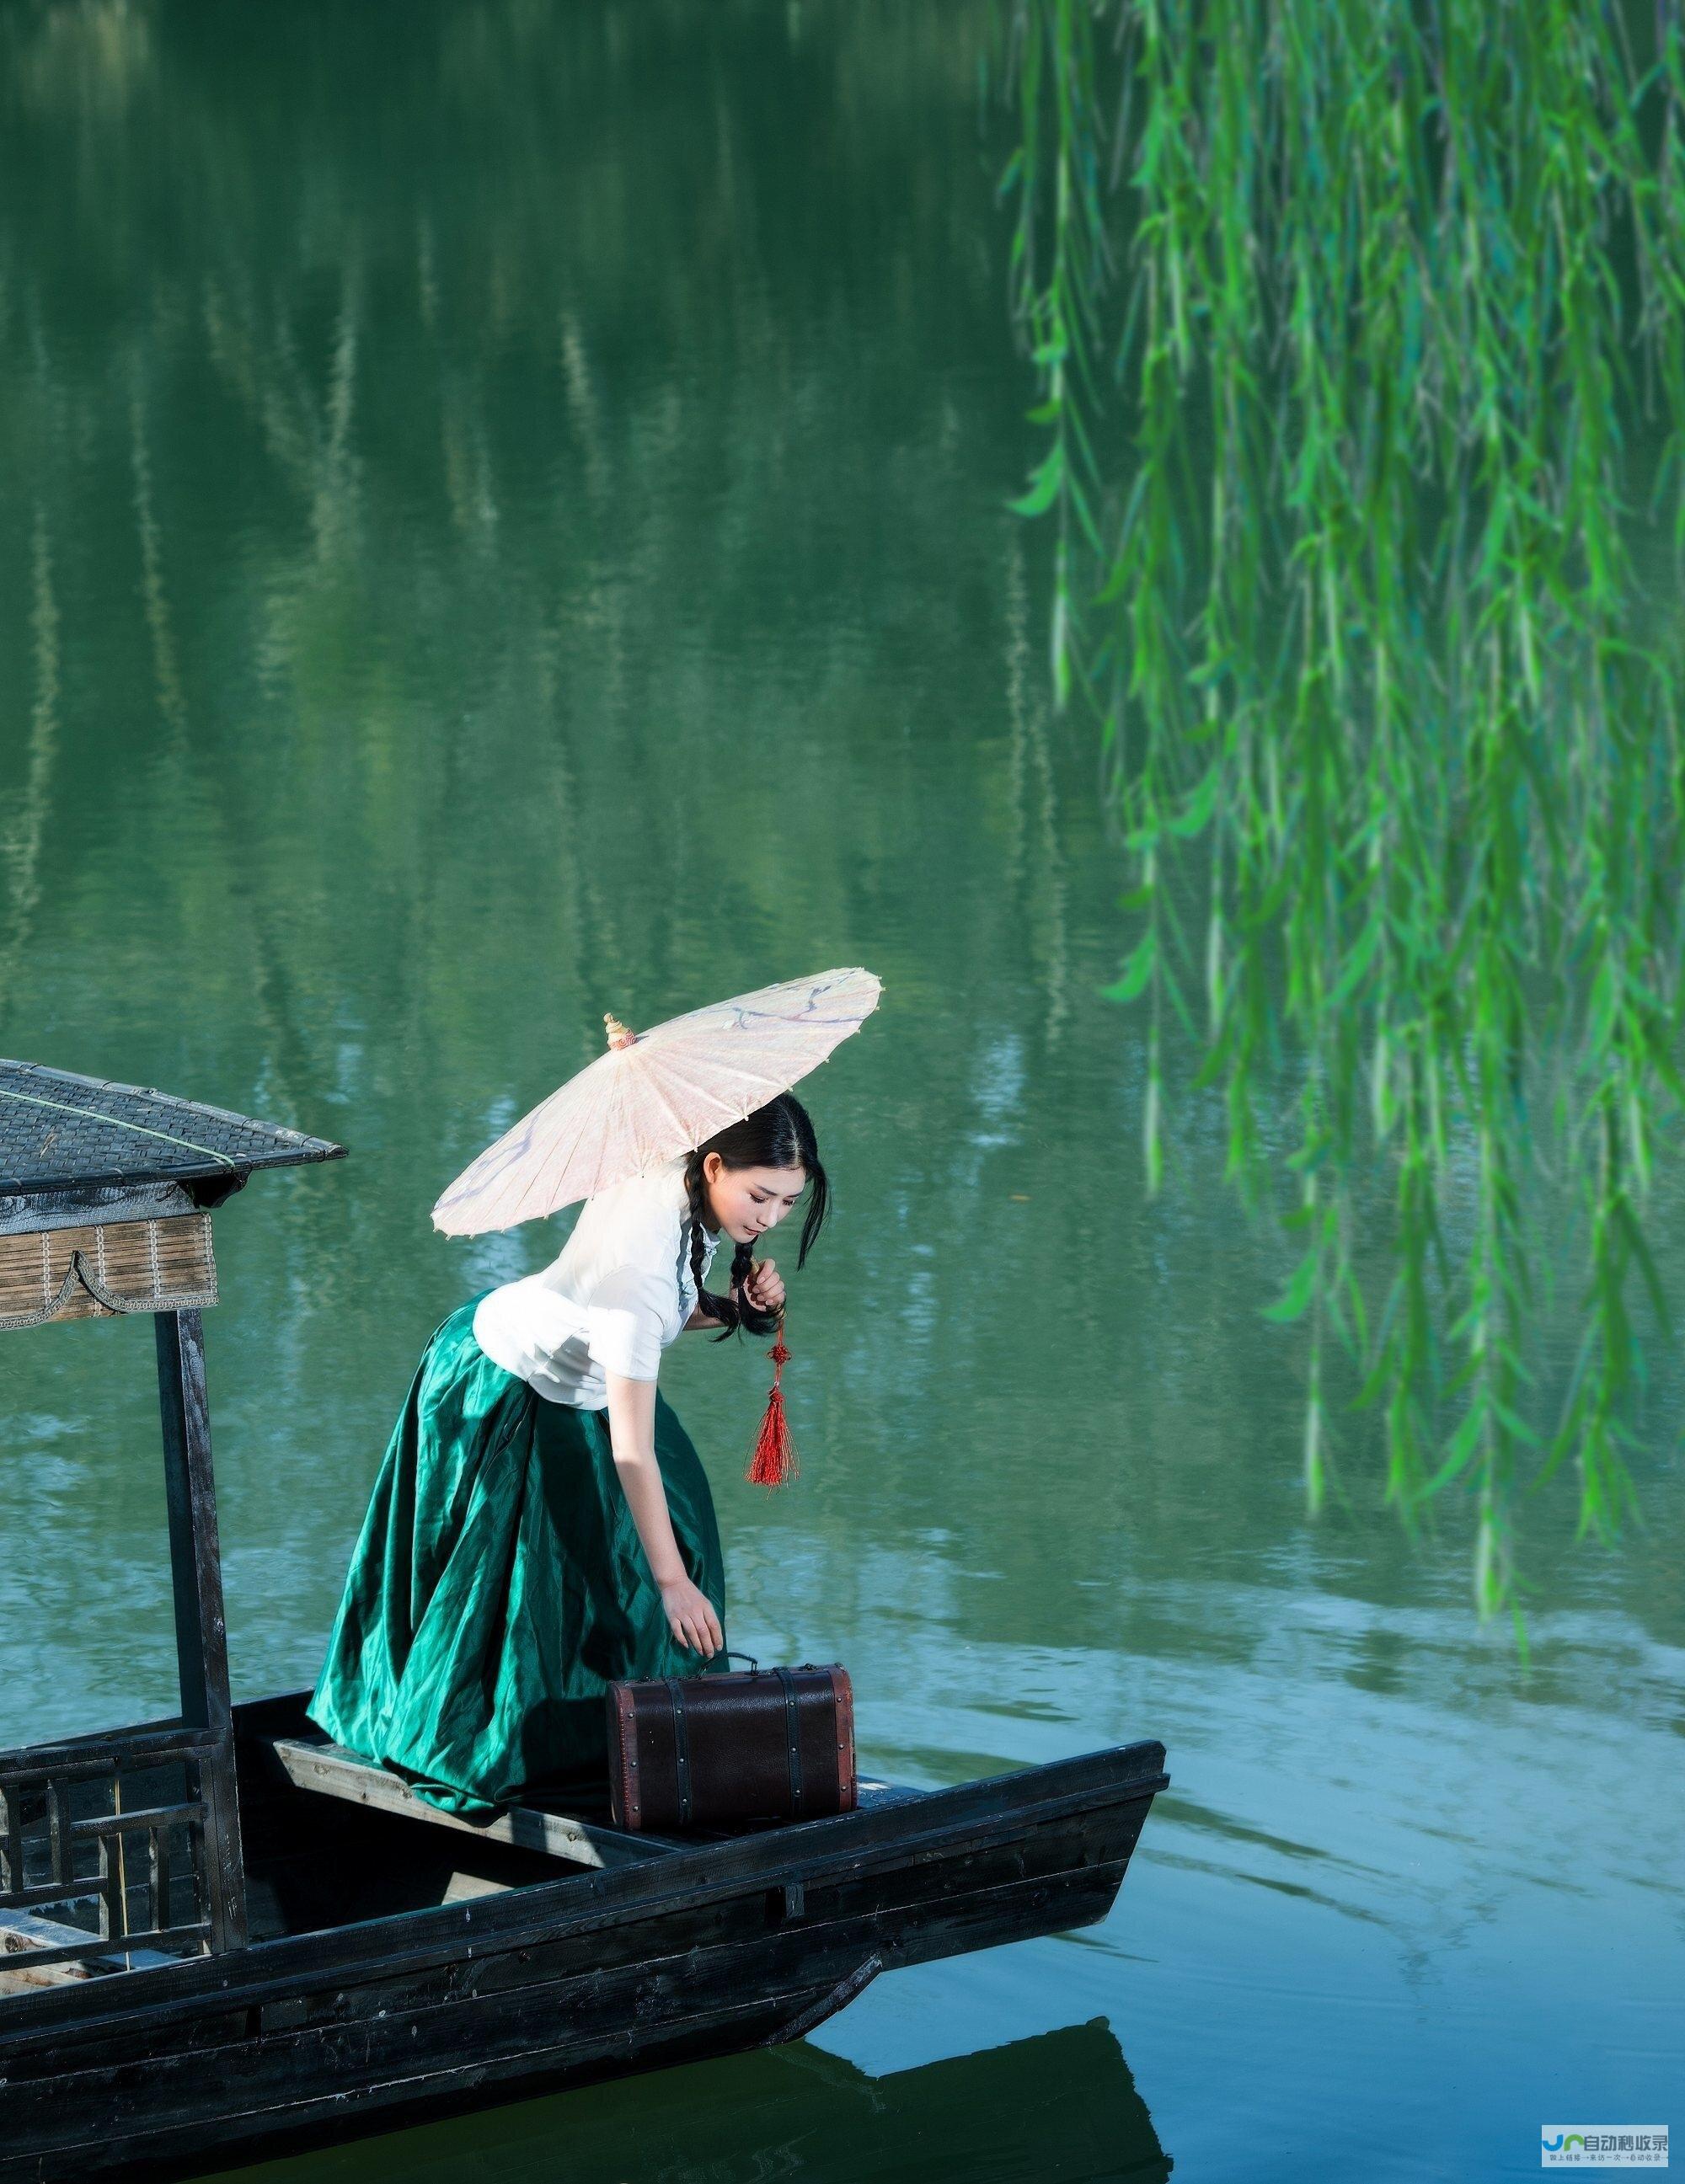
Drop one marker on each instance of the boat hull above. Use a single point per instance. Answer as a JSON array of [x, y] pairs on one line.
[[715, 1949]]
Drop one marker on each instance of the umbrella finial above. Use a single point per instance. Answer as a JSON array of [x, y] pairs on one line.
[[620, 1035]]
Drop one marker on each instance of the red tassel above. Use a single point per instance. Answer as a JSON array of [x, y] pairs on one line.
[[773, 1462]]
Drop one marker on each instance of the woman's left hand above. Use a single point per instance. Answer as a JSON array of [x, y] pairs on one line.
[[765, 1286]]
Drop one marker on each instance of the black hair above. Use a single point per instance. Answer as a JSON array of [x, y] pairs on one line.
[[780, 1134]]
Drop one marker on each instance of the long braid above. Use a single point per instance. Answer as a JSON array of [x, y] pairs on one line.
[[735, 1311]]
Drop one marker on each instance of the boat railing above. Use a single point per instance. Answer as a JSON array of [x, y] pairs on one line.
[[104, 1854]]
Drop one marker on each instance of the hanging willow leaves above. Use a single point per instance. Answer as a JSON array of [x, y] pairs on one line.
[[1336, 310]]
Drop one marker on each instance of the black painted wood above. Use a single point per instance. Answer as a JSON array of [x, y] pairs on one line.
[[974, 1814], [570, 1974], [1058, 2103], [262, 2079], [201, 1634], [74, 1757], [124, 1799]]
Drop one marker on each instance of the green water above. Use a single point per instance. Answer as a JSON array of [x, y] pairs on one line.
[[502, 520]]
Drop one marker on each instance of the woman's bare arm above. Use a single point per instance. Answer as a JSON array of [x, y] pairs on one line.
[[632, 1436]]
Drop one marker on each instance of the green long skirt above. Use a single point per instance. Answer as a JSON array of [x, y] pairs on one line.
[[499, 1583]]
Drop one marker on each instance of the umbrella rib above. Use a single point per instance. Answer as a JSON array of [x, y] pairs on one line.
[[754, 1076], [614, 1105], [520, 1193], [670, 1110]]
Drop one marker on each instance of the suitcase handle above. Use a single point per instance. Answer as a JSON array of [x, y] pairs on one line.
[[731, 1654]]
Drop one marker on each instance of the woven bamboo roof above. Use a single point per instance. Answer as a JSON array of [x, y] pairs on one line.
[[59, 1131]]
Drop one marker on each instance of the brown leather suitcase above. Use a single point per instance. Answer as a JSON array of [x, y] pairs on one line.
[[694, 1751]]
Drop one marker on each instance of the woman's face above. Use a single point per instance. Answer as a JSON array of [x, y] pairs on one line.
[[747, 1201]]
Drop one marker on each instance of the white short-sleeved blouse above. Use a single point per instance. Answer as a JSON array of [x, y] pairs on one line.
[[621, 1290]]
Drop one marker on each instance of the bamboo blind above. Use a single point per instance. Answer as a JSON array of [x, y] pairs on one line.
[[164, 1265]]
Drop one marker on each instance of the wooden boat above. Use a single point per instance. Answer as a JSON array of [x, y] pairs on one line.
[[221, 1935]]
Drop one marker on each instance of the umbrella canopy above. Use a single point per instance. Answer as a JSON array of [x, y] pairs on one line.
[[654, 1095]]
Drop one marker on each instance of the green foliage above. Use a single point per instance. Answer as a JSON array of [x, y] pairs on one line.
[[1336, 310]]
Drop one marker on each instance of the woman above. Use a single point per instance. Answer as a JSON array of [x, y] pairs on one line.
[[541, 1523]]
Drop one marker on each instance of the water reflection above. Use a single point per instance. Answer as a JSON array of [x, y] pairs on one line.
[[1060, 2108]]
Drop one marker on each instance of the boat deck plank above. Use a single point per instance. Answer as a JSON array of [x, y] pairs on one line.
[[313, 1763]]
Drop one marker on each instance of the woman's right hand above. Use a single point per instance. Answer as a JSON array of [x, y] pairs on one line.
[[691, 1617]]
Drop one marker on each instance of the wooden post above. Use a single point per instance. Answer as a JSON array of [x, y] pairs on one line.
[[201, 1636]]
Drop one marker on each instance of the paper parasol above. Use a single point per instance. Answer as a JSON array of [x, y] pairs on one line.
[[654, 1095]]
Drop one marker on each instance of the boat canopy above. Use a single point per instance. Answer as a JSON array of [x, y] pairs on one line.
[[60, 1132]]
